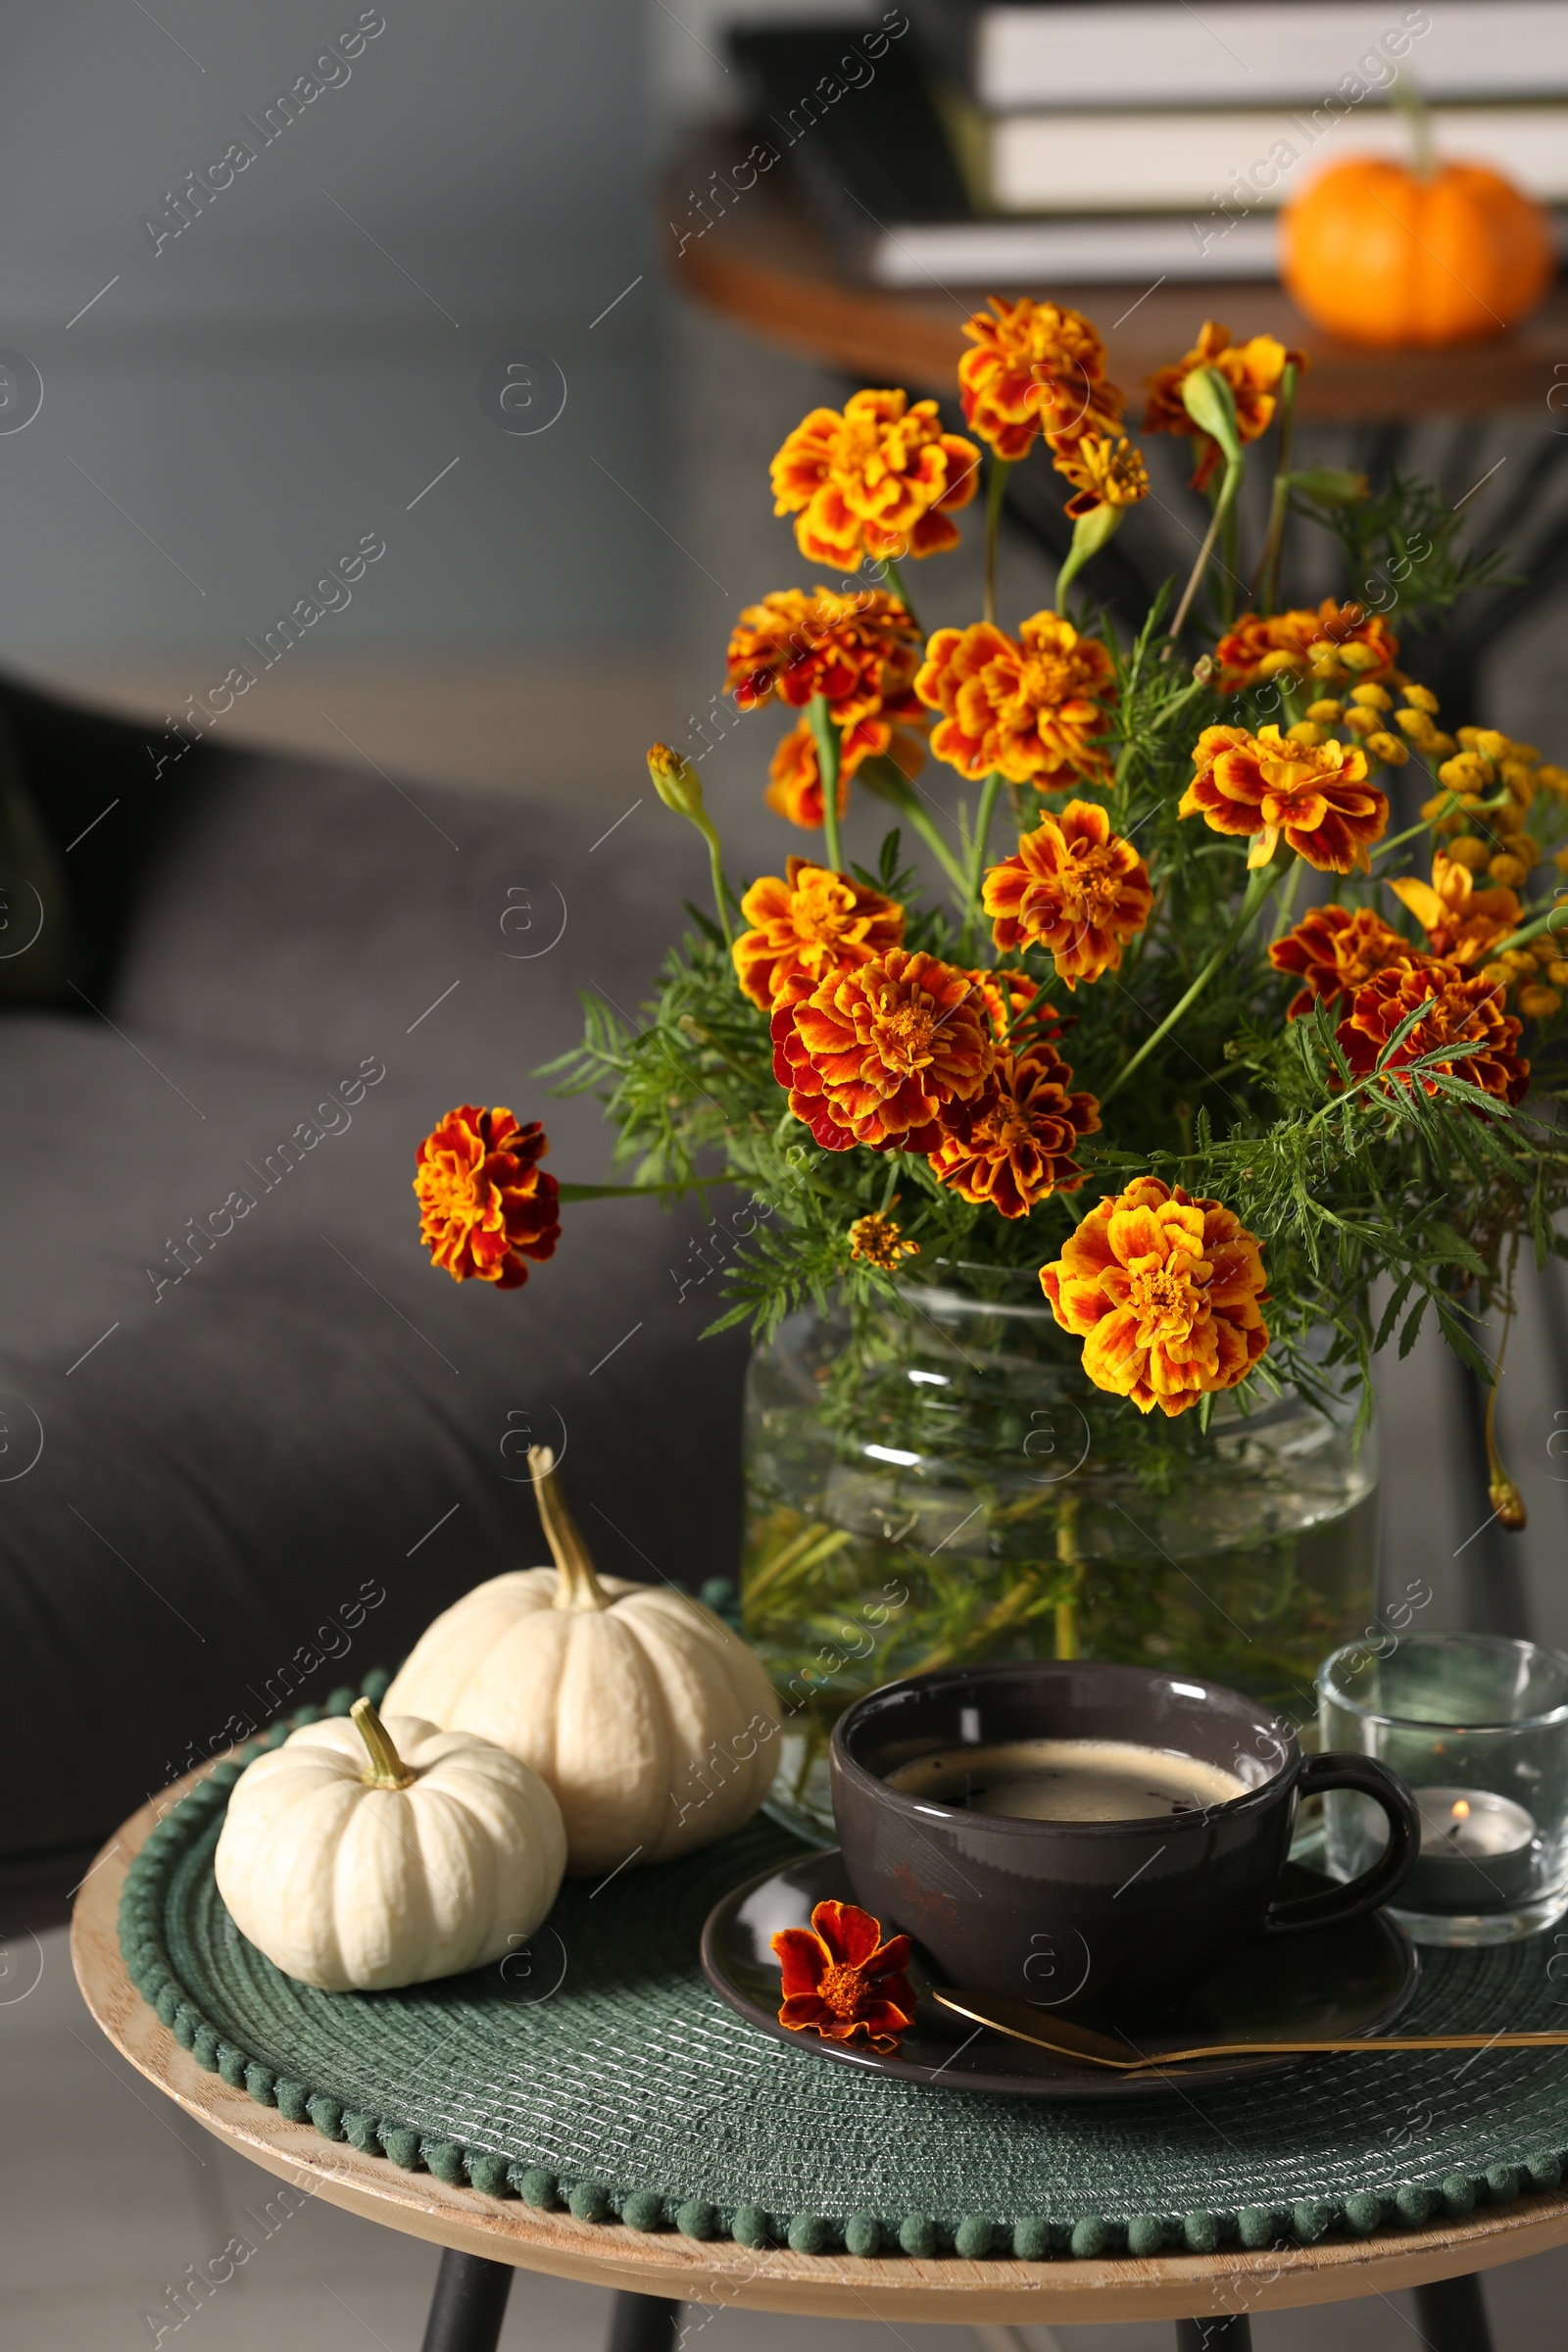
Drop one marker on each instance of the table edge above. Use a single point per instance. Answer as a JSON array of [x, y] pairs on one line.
[[721, 2271]]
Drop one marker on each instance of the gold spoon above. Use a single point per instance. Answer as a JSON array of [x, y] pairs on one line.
[[1067, 2040]]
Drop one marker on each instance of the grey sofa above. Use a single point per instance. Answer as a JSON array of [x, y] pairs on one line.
[[250, 1439]]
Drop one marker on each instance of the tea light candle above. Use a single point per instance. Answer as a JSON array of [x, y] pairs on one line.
[[1476, 1852]]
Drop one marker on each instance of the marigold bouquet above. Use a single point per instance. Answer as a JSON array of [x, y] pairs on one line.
[[1195, 1036]]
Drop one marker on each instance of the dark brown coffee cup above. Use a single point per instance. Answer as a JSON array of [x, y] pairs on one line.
[[1095, 1919]]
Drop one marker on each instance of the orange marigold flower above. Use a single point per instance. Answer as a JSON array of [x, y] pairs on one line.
[[880, 479], [1074, 887], [876, 1052], [1030, 708], [807, 925], [1165, 1293], [1036, 367], [1466, 1024], [1252, 371], [1461, 924], [1336, 642], [879, 1241], [1105, 472], [484, 1204], [1315, 794], [1013, 1144], [861, 652], [1008, 995], [1333, 950], [794, 787], [843, 1979]]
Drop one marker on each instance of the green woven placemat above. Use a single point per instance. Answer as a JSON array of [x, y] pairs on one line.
[[628, 2091]]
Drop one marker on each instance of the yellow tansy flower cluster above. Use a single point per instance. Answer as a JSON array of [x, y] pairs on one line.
[[1490, 784]]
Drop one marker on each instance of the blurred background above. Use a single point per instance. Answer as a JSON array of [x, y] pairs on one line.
[[447, 307]]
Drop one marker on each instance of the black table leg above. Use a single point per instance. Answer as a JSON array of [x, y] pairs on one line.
[[643, 2323], [1452, 2317], [1232, 2332], [468, 2304]]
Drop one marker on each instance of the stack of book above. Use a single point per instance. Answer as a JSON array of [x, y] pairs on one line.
[[1123, 140]]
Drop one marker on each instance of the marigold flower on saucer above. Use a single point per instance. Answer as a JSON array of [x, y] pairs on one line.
[[860, 651], [1461, 924], [484, 1204], [1074, 887], [1030, 708], [843, 1979], [1252, 370], [876, 1052], [879, 1241], [806, 925], [1315, 794], [1165, 1293], [1105, 472], [1466, 1024], [1333, 950], [880, 479], [1036, 367], [1334, 643], [795, 786], [1013, 1146]]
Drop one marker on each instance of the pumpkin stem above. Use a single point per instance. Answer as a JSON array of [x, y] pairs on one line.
[[577, 1586], [1417, 113], [387, 1769]]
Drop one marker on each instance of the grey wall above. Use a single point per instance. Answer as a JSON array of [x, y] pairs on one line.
[[272, 383]]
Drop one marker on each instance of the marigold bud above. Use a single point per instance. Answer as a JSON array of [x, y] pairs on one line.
[[676, 781], [1387, 748], [1507, 1501]]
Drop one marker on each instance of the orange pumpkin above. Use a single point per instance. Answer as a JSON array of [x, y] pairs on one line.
[[1382, 255]]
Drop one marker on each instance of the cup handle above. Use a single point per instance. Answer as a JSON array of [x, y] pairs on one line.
[[1386, 1876]]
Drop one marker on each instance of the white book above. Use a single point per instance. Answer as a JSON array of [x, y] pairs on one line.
[[918, 256], [1242, 52], [1142, 162]]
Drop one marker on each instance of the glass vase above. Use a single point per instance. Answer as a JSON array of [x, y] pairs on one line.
[[942, 1484]]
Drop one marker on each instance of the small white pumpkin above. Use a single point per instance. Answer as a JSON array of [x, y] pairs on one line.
[[654, 1725], [363, 1855]]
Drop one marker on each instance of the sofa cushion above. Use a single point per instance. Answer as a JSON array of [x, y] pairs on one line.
[[252, 1440]]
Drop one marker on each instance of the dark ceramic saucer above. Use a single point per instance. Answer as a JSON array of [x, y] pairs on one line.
[[1351, 1978]]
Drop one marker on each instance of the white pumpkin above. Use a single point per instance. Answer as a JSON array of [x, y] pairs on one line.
[[655, 1727], [364, 1855]]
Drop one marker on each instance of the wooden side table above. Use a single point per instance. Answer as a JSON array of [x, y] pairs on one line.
[[1210, 2297], [767, 267]]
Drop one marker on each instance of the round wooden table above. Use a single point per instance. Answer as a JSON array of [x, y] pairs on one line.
[[1211, 2294], [768, 268]]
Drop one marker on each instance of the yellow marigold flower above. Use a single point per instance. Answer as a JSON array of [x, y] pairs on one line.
[[1333, 950], [1327, 645], [1036, 367], [1539, 1003], [1460, 921], [860, 651], [807, 925], [1074, 887], [484, 1204], [1252, 371], [1166, 1294], [881, 479], [1105, 472], [794, 787], [1030, 708], [879, 1239], [1013, 1144], [1316, 795]]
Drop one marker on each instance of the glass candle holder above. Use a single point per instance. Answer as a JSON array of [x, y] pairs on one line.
[[1477, 1728]]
